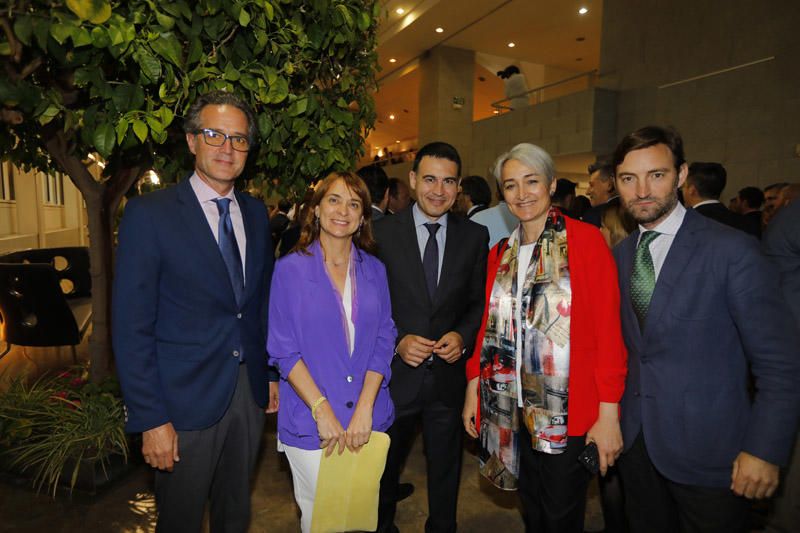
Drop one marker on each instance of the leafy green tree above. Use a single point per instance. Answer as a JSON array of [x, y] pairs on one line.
[[85, 77]]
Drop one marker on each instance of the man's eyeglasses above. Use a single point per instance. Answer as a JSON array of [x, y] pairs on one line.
[[239, 143]]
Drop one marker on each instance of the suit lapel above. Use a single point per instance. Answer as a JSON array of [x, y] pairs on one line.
[[200, 232], [625, 270], [250, 260], [679, 255]]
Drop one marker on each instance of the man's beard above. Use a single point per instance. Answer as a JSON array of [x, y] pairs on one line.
[[651, 214]]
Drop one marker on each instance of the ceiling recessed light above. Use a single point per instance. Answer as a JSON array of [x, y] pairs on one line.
[[399, 10], [440, 30], [398, 142], [392, 60], [583, 11], [391, 117], [496, 112], [511, 45]]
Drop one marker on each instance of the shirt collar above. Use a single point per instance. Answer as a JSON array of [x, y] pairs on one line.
[[671, 224], [706, 202], [420, 218], [205, 193]]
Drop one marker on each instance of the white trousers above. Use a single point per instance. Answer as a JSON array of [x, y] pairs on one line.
[[305, 470]]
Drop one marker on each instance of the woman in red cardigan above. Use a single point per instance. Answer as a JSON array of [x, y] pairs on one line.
[[549, 359]]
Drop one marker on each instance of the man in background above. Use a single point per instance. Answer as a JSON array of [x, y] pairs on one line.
[[378, 184], [475, 196]]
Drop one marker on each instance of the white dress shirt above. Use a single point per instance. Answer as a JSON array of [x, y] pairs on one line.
[[423, 234], [668, 228]]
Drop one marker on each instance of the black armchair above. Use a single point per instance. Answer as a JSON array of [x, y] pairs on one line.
[[45, 297]]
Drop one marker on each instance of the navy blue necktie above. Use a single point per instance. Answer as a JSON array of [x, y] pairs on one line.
[[230, 248], [430, 259]]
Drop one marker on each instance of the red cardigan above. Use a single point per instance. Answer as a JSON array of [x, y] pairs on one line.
[[598, 360]]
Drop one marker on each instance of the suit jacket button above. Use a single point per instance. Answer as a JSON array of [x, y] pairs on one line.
[[349, 379], [238, 315], [236, 353], [349, 404]]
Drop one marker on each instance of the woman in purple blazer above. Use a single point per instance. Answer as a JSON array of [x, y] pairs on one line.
[[331, 335]]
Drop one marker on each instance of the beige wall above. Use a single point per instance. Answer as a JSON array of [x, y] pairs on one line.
[[28, 223], [748, 119]]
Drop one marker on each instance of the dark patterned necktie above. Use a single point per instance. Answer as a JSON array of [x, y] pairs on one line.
[[229, 247], [430, 259], [643, 278]]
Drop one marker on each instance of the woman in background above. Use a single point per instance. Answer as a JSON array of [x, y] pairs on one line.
[[331, 334], [549, 361]]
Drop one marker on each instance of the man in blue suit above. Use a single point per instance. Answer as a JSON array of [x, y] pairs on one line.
[[190, 300], [700, 305]]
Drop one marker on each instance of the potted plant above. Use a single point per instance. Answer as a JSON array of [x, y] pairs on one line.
[[62, 429]]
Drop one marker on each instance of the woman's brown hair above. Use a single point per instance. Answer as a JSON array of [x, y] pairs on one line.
[[309, 231]]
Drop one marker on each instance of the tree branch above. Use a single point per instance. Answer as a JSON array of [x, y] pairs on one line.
[[13, 42], [58, 147]]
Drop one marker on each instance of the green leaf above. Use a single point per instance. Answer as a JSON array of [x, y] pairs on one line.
[[195, 52], [104, 139], [155, 123], [49, 114], [298, 107], [269, 10], [140, 129], [23, 29], [41, 30], [231, 73], [61, 32], [165, 21], [100, 38], [168, 47], [244, 17], [95, 11], [346, 16], [151, 67], [166, 116], [264, 125], [122, 129], [278, 91], [81, 37], [5, 49], [128, 96], [363, 20]]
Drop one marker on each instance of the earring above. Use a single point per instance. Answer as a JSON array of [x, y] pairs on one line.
[[358, 231], [316, 221]]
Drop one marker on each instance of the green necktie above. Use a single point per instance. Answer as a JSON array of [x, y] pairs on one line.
[[643, 279]]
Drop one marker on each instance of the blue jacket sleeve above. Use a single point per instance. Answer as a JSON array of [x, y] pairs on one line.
[[134, 308], [381, 358], [282, 345]]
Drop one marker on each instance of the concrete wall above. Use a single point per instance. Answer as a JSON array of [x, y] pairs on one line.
[[748, 119], [573, 124]]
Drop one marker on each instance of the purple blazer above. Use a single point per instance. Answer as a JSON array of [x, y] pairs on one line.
[[305, 321]]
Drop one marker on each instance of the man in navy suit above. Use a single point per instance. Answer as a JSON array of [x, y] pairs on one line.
[[190, 299], [700, 305]]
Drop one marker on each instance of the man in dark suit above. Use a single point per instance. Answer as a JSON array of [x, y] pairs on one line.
[[702, 189], [378, 184], [436, 264], [602, 193], [190, 299], [475, 196], [749, 201], [781, 245], [702, 305]]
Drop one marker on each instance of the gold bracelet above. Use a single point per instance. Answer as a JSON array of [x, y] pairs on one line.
[[315, 405]]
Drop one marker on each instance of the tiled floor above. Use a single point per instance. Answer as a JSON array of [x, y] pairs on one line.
[[128, 505]]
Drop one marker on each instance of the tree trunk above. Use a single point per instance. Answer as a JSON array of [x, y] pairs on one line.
[[102, 199], [100, 249]]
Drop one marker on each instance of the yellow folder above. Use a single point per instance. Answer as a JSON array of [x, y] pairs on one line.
[[348, 487]]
